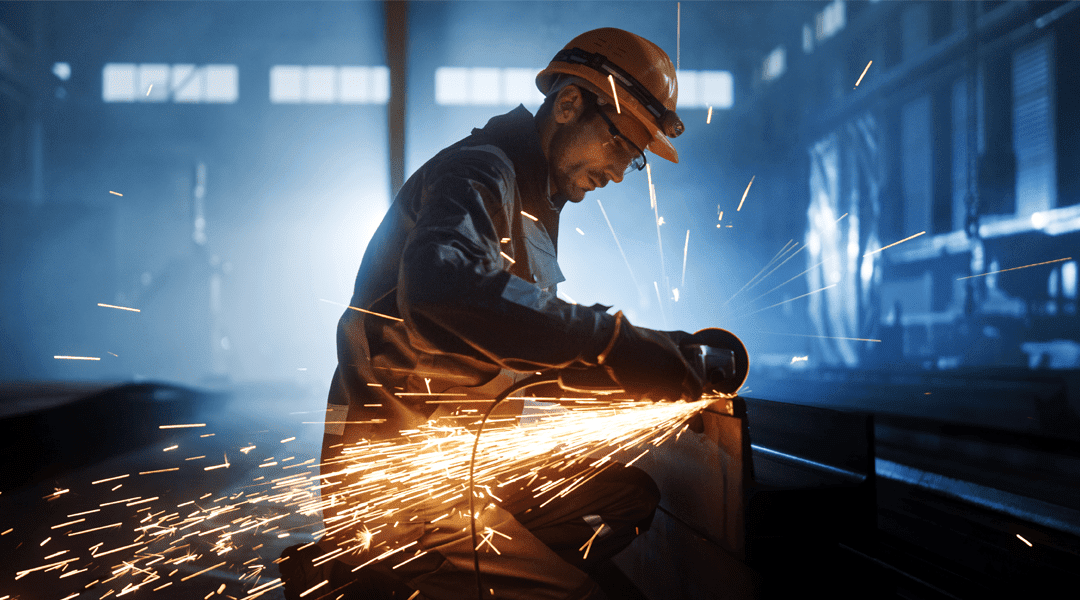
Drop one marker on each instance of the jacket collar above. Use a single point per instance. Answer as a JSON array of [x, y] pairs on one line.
[[515, 133]]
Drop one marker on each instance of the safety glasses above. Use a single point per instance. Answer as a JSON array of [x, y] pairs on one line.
[[638, 162]]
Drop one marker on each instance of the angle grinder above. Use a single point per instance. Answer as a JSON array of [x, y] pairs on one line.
[[718, 355]]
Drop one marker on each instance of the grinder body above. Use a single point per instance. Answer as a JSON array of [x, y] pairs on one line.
[[718, 355]]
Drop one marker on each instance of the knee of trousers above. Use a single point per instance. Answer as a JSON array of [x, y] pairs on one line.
[[645, 493]]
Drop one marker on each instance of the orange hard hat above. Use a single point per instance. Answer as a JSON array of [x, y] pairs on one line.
[[643, 73]]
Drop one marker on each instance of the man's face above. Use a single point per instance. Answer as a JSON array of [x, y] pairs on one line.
[[584, 155]]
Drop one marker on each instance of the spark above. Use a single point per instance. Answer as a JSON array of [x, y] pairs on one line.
[[708, 118], [85, 513], [507, 257], [204, 570], [863, 74], [505, 240], [777, 267], [247, 449], [207, 435], [825, 337], [312, 589], [659, 222], [119, 307], [841, 218], [678, 33], [288, 439], [75, 533], [149, 88], [747, 191], [795, 359], [45, 541], [1015, 268], [530, 216], [173, 447], [628, 268], [182, 426], [116, 355], [789, 280], [894, 243], [363, 311], [104, 480], [414, 595], [115, 193], [77, 357], [579, 230], [588, 545], [1023, 540], [614, 94], [793, 299], [686, 246], [782, 252], [195, 457], [661, 301]]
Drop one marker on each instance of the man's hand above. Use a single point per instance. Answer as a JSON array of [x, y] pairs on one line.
[[649, 364]]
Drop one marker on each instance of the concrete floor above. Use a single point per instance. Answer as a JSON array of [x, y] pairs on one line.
[[34, 518]]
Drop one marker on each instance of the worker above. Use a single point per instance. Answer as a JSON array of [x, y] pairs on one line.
[[455, 296]]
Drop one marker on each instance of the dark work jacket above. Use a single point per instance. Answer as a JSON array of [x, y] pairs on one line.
[[464, 286]]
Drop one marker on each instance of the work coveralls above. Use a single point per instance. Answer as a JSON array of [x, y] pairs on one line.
[[463, 282]]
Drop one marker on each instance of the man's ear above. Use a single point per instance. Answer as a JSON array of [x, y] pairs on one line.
[[569, 104]]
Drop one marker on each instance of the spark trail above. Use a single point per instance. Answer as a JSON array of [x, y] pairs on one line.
[[366, 494]]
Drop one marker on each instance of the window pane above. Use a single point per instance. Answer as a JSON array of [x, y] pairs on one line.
[[716, 89], [484, 86], [520, 86], [286, 83], [451, 85], [380, 85], [155, 80], [688, 89], [118, 83], [319, 87], [221, 83], [354, 85], [187, 83]]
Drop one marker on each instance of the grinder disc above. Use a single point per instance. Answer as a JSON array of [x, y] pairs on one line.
[[724, 339]]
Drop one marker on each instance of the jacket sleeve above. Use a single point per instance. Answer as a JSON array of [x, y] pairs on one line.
[[455, 295]]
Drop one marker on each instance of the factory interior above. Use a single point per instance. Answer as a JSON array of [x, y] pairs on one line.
[[880, 199]]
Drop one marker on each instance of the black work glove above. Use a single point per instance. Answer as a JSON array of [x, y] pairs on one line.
[[649, 364]]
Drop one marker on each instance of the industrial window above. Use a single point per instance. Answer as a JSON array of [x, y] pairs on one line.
[[210, 84], [485, 86], [702, 89], [1033, 129], [774, 64], [318, 84]]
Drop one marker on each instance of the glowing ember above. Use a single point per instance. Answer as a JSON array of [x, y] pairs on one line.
[[614, 94], [1015, 268], [863, 74], [119, 307], [911, 237], [747, 191]]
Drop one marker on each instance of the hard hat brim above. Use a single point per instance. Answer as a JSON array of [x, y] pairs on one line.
[[660, 145]]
